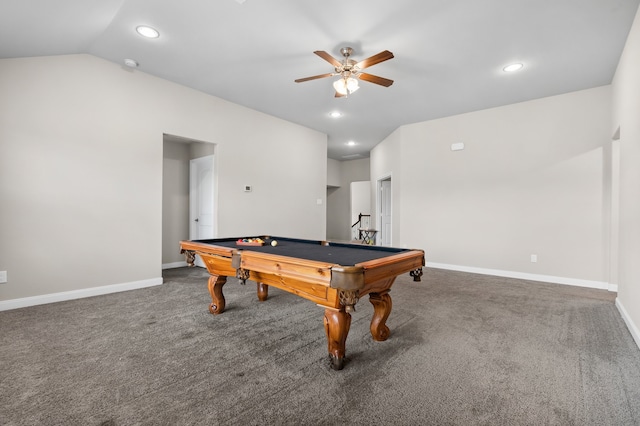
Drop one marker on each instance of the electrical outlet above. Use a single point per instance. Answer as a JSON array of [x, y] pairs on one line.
[[3, 277], [534, 258]]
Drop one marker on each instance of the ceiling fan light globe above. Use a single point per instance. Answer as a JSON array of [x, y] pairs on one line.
[[340, 86], [352, 84], [346, 86]]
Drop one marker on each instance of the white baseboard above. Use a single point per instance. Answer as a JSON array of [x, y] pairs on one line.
[[525, 276], [633, 329], [174, 265], [24, 302]]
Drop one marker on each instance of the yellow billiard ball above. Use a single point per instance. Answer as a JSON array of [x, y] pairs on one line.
[[274, 243]]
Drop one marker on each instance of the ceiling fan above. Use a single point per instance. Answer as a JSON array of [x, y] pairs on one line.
[[350, 71]]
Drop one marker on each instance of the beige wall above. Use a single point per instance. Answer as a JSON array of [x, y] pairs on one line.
[[529, 181], [333, 172], [626, 119], [81, 172]]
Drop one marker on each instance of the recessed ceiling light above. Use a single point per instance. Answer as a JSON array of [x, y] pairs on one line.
[[351, 143], [512, 67], [148, 32], [335, 114]]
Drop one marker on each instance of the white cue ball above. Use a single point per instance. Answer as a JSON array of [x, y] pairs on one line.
[[274, 243]]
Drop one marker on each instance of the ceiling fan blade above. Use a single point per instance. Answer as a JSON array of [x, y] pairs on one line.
[[375, 79], [315, 77], [375, 59], [324, 55]]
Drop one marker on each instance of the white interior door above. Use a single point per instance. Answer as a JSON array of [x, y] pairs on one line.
[[201, 200], [385, 211]]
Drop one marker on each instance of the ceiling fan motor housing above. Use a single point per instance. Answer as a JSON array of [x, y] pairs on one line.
[[348, 66], [346, 51]]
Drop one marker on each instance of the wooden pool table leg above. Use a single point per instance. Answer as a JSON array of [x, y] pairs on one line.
[[381, 309], [263, 292], [217, 298], [336, 325]]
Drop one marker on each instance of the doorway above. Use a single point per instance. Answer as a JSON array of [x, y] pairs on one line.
[[360, 205], [177, 220]]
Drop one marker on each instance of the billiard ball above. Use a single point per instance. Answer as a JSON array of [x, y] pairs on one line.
[[274, 243]]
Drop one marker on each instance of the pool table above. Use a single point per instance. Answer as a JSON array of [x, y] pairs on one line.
[[331, 274]]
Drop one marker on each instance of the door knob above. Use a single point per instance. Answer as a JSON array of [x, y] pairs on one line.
[[197, 220]]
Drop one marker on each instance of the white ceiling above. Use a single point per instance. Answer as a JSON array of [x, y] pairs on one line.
[[448, 60]]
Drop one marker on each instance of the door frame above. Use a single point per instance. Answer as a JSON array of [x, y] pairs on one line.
[[614, 213]]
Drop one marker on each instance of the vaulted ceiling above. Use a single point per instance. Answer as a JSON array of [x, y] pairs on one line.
[[448, 54]]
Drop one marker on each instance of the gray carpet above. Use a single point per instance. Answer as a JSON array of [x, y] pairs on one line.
[[464, 349]]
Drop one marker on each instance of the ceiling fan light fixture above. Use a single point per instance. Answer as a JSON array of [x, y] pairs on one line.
[[346, 86]]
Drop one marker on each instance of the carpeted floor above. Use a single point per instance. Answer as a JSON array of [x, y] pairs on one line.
[[464, 349]]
